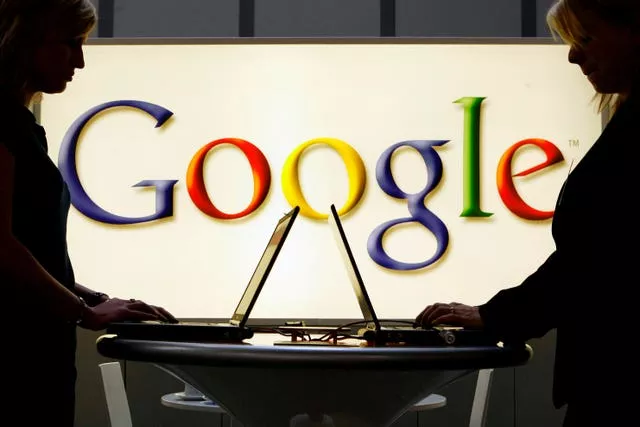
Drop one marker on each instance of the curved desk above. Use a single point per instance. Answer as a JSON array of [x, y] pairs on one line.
[[263, 385]]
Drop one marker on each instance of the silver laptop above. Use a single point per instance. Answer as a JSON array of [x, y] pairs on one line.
[[375, 332], [236, 328]]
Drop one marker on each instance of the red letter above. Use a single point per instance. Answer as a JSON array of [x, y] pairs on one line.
[[507, 189], [259, 167]]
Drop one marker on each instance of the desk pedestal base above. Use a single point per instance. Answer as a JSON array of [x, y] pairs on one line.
[[295, 397]]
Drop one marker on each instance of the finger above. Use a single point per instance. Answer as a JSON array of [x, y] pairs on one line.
[[141, 315], [440, 310], [427, 313], [159, 313], [421, 319], [420, 316], [162, 313], [166, 315], [435, 308], [135, 303], [140, 306], [447, 319]]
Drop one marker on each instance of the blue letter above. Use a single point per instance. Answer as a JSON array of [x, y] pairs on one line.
[[79, 197], [417, 209]]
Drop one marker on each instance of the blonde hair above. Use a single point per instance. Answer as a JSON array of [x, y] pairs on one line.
[[23, 26], [564, 20]]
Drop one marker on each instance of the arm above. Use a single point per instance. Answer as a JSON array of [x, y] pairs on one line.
[[18, 267], [516, 314], [531, 309], [92, 297], [595, 233], [22, 274]]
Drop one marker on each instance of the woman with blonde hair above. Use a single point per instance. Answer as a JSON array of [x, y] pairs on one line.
[[40, 49], [585, 289]]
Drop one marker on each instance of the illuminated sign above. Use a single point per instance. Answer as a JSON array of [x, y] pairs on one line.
[[355, 170], [446, 176]]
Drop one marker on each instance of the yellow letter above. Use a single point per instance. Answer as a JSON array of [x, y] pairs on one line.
[[355, 171]]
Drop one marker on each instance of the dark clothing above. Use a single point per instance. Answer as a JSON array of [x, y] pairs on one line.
[[40, 352], [584, 289]]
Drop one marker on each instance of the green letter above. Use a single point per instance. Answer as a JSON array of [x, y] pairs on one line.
[[471, 158]]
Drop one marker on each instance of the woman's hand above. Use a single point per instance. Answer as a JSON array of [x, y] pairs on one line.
[[454, 314], [118, 310]]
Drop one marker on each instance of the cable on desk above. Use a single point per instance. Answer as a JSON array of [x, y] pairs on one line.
[[336, 334]]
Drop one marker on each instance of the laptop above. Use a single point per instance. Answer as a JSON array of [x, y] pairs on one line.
[[375, 332], [236, 328]]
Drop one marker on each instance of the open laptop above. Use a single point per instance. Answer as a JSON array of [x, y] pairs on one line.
[[236, 329], [375, 332]]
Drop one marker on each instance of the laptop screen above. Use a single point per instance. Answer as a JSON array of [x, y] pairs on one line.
[[265, 264], [354, 274]]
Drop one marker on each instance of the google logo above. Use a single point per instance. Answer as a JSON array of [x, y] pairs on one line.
[[416, 202]]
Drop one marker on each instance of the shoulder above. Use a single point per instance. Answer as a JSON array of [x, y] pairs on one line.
[[9, 137], [620, 133], [15, 126], [626, 113]]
